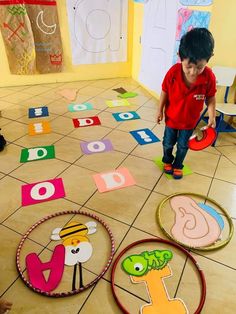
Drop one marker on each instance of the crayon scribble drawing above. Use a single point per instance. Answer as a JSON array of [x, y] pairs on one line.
[[187, 20]]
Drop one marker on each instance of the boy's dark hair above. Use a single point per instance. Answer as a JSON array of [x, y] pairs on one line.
[[197, 44]]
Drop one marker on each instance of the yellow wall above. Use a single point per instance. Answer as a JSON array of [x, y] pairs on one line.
[[70, 73], [222, 26]]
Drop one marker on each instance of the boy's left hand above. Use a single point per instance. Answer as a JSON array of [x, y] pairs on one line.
[[211, 123]]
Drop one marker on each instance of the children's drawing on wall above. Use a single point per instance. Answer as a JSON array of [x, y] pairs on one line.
[[158, 38], [188, 19], [31, 35], [98, 30], [196, 2], [141, 1], [18, 38], [47, 36], [151, 268]]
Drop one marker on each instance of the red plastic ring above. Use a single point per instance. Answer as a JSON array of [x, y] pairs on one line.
[[157, 240], [68, 293]]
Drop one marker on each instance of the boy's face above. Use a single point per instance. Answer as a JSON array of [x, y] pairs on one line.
[[192, 70]]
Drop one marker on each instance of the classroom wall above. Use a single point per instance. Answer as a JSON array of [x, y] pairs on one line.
[[70, 73], [222, 25]]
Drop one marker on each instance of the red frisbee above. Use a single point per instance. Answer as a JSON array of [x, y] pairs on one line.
[[208, 137]]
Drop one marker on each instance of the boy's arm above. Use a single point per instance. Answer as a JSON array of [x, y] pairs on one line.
[[211, 105], [162, 103]]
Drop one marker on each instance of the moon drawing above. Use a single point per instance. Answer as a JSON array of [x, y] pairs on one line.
[[46, 29]]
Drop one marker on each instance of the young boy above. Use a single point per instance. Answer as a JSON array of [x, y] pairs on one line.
[[185, 88]]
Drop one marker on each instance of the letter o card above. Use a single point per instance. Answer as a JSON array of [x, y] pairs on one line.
[[125, 116], [96, 146], [42, 191], [80, 107], [117, 179], [81, 122]]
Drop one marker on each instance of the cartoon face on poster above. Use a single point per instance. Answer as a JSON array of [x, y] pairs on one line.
[[75, 250]]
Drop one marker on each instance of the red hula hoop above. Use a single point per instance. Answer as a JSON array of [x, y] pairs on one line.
[[200, 272], [69, 293]]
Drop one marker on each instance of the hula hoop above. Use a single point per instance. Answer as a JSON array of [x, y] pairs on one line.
[[212, 247], [69, 293], [156, 240]]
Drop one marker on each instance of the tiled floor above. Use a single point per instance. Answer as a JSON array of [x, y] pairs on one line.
[[130, 212]]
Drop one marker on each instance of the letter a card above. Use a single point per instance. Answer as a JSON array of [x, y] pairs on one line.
[[113, 180]]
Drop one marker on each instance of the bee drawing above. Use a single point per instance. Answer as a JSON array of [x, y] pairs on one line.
[[78, 249]]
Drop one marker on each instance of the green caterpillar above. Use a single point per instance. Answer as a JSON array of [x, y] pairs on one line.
[[17, 10], [139, 265]]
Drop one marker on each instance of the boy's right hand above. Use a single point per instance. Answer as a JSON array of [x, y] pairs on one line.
[[159, 117]]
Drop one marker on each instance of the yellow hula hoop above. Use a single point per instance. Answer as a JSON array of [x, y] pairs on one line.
[[215, 246]]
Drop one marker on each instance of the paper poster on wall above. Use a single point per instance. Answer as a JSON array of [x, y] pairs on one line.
[[31, 35], [196, 2], [47, 36], [98, 30], [187, 20], [17, 37], [158, 40]]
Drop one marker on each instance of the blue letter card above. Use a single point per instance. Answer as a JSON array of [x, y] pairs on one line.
[[38, 112], [144, 136], [124, 116]]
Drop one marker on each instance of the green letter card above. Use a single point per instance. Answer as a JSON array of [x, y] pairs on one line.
[[37, 153]]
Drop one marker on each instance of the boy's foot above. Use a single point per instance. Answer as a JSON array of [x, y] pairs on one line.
[[168, 168], [2, 142], [177, 173]]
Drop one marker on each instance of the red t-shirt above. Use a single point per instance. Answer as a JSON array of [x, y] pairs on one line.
[[185, 104]]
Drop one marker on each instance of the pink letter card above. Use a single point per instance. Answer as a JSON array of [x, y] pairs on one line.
[[42, 191], [113, 180]]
